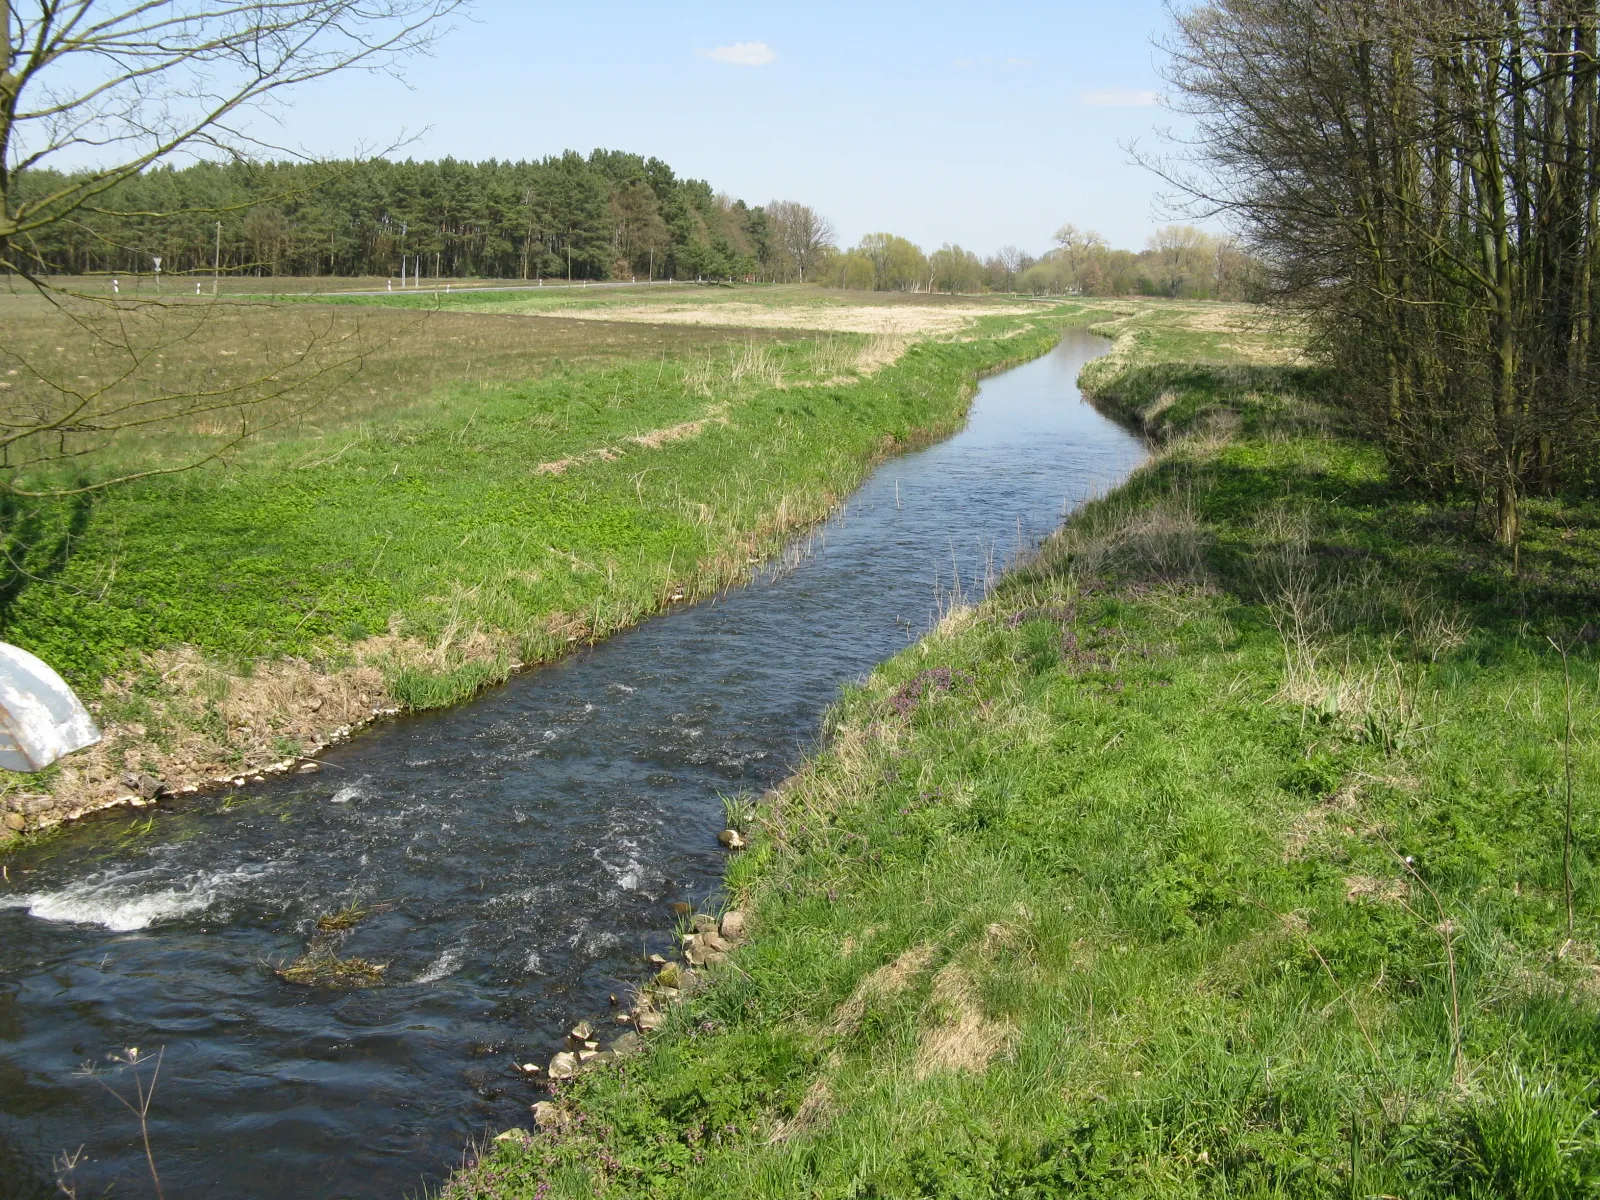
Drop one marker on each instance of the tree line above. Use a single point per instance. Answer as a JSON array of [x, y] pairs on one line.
[[1179, 261], [1423, 180], [608, 215]]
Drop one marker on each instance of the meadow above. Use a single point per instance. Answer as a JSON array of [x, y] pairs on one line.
[[1242, 845], [464, 492]]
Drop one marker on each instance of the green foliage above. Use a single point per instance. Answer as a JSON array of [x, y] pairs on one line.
[[611, 213]]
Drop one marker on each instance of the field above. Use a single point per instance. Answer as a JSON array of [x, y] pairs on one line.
[[1243, 845], [437, 492]]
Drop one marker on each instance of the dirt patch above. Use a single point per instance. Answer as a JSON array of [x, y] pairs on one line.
[[964, 1039], [900, 319]]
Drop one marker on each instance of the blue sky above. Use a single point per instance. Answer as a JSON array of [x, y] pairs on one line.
[[981, 124]]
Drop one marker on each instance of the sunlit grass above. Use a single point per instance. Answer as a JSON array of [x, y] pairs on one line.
[[1221, 856]]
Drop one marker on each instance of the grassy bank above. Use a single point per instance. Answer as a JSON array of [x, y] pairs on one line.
[[415, 538], [1220, 853]]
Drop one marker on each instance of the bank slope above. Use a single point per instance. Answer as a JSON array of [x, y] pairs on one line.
[[1220, 853], [223, 622]]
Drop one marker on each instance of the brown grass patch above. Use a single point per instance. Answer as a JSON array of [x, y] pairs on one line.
[[1308, 830], [222, 728], [901, 319], [964, 1039], [887, 981], [653, 440], [1358, 888]]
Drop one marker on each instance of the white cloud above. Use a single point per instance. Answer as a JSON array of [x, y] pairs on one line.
[[743, 54], [1119, 98]]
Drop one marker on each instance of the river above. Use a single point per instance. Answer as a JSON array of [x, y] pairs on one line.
[[527, 848]]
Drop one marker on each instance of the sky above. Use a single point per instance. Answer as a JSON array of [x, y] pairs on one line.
[[978, 124]]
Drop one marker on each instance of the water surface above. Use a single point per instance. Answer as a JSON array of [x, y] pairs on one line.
[[529, 844]]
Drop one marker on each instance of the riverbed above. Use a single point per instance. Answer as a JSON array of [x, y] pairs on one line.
[[521, 853]]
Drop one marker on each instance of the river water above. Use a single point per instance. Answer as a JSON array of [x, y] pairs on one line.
[[529, 846]]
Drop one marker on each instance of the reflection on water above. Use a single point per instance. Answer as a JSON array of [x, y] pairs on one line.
[[528, 846]]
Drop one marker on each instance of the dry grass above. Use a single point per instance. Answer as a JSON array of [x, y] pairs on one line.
[[306, 369], [886, 982], [963, 1039], [213, 719], [837, 359], [899, 320], [653, 440]]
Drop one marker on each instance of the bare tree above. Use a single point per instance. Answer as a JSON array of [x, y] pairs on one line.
[[93, 93], [1013, 262], [1078, 246], [1423, 178], [1181, 254], [804, 234]]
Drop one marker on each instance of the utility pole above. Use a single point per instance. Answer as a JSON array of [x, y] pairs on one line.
[[216, 254]]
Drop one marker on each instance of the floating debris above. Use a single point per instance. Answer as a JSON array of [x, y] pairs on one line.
[[328, 970]]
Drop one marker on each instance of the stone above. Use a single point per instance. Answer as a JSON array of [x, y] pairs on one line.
[[702, 954], [628, 1043], [650, 1021], [715, 944], [703, 923], [601, 1059], [591, 1044], [582, 1031], [547, 1115], [310, 768], [731, 838], [15, 822], [151, 788], [585, 1055], [733, 925], [669, 975], [656, 961], [520, 1136], [528, 1068], [564, 1065], [681, 909]]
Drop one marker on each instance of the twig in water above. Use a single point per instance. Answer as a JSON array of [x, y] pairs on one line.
[[141, 1110]]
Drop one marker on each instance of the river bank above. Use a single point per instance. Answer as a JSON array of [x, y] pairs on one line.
[[227, 624], [348, 971], [1222, 851]]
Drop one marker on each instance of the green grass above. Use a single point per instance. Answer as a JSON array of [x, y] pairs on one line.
[[1218, 854], [408, 547], [438, 522]]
